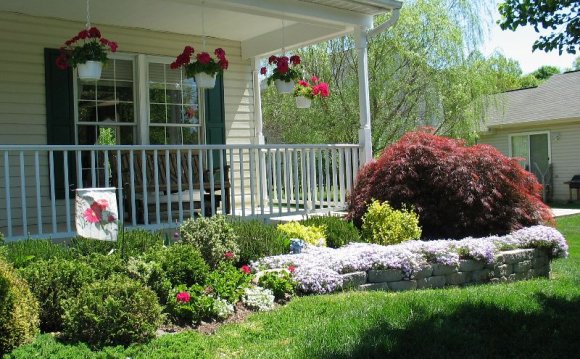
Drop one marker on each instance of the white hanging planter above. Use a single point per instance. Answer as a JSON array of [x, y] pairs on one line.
[[90, 70], [284, 86], [303, 102], [204, 80]]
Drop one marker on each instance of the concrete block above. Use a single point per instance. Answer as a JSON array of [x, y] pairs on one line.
[[470, 265], [541, 261], [423, 273], [517, 255], [481, 276], [386, 275], [353, 280], [542, 271], [522, 266], [431, 282], [374, 286], [502, 270], [403, 285], [524, 275], [458, 278], [442, 269]]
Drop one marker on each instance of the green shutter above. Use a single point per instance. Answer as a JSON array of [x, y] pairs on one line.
[[215, 123], [59, 116]]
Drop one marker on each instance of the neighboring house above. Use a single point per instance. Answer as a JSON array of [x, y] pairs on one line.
[[51, 122], [542, 126]]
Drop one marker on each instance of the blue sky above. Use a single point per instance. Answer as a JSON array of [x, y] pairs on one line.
[[518, 46]]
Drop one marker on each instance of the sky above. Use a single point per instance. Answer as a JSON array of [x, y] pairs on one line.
[[517, 45]]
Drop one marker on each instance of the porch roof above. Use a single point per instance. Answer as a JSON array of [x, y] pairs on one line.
[[262, 26]]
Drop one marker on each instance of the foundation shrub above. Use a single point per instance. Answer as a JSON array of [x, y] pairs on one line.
[[338, 232], [140, 241], [384, 225], [310, 234], [104, 266], [213, 236], [52, 282], [256, 240], [151, 274], [457, 190], [25, 252], [190, 304], [280, 283], [18, 310], [183, 264], [115, 311]]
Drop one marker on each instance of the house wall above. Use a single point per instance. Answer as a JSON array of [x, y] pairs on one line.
[[565, 148], [22, 93]]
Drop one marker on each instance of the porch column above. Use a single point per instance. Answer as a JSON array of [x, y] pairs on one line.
[[364, 134], [257, 101]]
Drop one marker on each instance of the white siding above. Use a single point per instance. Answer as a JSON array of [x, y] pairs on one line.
[[565, 143]]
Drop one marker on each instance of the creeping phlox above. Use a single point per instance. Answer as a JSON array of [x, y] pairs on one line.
[[318, 269]]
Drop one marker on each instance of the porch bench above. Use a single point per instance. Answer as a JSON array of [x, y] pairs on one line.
[[169, 196]]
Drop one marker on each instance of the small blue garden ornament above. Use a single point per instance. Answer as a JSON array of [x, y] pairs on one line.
[[296, 245]]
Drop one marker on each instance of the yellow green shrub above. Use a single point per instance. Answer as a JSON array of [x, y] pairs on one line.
[[384, 225], [18, 310], [310, 234]]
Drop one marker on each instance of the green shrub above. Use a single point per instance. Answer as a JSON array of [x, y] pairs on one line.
[[104, 266], [140, 241], [190, 304], [116, 311], [80, 246], [384, 225], [183, 264], [52, 282], [212, 236], [257, 240], [18, 310], [338, 231], [228, 282], [311, 234], [150, 273], [22, 253], [280, 283]]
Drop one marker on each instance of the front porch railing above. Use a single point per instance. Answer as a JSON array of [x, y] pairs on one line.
[[160, 186]]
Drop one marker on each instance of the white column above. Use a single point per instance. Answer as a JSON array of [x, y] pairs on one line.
[[142, 91], [363, 95], [257, 101]]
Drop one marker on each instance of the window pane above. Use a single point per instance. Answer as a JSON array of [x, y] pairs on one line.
[[124, 70], [156, 73], [87, 111], [105, 90], [127, 135], [87, 135], [124, 91], [520, 149], [157, 113], [87, 91], [191, 114], [172, 76], [106, 112], [108, 72], [190, 135], [174, 114], [125, 112], [157, 93], [174, 93], [157, 135], [539, 154]]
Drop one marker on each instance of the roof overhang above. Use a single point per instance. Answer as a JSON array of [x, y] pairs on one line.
[[262, 26]]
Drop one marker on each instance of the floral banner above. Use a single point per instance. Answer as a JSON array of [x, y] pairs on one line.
[[96, 213]]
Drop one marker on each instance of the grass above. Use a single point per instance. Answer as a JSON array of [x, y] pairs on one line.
[[532, 319]]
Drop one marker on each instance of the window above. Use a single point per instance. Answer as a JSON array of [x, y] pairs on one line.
[[106, 107], [174, 116], [534, 148]]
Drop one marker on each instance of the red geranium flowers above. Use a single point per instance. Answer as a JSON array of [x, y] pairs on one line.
[[94, 47], [285, 69], [203, 62]]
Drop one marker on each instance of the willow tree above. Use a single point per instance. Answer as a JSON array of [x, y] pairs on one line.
[[422, 72]]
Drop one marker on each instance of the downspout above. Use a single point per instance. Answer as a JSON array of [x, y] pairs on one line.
[[361, 40]]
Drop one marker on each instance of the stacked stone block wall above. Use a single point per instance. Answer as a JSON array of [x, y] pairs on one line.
[[508, 266]]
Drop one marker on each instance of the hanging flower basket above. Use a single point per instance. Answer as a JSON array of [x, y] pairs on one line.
[[87, 52], [303, 102], [204, 69], [205, 81], [284, 87], [284, 74], [90, 70]]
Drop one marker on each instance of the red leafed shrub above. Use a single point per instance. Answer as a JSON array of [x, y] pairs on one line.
[[457, 190]]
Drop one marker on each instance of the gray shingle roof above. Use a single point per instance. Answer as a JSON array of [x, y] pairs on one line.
[[556, 99]]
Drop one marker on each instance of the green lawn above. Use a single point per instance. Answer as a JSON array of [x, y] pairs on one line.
[[534, 319]]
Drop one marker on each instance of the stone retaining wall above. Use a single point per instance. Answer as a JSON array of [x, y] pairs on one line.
[[509, 266]]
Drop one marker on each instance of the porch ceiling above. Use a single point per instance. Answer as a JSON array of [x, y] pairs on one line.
[[257, 24]]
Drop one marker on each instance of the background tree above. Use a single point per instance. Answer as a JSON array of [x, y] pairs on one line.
[[545, 72], [561, 16], [423, 72]]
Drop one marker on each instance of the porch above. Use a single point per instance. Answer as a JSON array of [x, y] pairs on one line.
[[264, 181]]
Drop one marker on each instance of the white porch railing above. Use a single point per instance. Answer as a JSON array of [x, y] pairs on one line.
[[160, 186]]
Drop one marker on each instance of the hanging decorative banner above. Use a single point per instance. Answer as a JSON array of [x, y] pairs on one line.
[[96, 213]]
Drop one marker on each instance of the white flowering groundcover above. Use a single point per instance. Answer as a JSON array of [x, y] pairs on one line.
[[319, 269]]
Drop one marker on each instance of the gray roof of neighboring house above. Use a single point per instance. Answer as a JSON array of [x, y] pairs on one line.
[[556, 99]]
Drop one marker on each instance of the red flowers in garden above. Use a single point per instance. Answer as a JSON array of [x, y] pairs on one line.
[[291, 269], [183, 297], [94, 47], [246, 269], [203, 62], [229, 255]]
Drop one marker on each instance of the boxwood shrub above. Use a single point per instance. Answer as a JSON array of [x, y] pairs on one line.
[[256, 239], [18, 310], [337, 230]]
